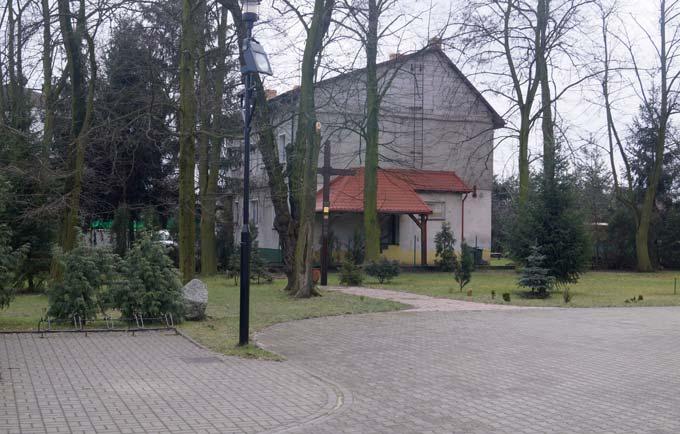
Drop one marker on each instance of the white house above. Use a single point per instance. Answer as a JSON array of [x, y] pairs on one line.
[[436, 156]]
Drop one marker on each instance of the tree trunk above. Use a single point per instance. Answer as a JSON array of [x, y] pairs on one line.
[[304, 248], [626, 196], [644, 263], [547, 126], [207, 229], [524, 174], [306, 154], [48, 128], [523, 101], [371, 221], [82, 108], [187, 144], [11, 64], [209, 199], [3, 103]]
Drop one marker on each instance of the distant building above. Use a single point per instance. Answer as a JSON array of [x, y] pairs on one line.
[[436, 156]]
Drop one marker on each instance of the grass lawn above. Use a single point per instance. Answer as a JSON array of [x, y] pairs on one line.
[[501, 262], [269, 305], [595, 289]]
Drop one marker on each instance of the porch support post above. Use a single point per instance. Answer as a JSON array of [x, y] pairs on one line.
[[423, 240]]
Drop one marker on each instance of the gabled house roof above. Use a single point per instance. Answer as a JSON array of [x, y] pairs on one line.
[[498, 122], [397, 190], [432, 180]]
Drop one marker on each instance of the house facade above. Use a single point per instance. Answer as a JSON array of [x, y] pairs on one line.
[[436, 157]]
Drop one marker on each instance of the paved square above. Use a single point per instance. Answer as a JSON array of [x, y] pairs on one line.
[[152, 382], [530, 371], [510, 371]]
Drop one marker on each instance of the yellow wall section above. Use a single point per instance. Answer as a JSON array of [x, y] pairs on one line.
[[405, 256]]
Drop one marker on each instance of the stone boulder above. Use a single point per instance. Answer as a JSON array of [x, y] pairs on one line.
[[195, 297]]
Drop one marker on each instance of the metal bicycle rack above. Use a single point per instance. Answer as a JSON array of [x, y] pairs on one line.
[[76, 324]]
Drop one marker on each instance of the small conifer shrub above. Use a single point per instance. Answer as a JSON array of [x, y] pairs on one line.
[[83, 288], [462, 266], [350, 273], [150, 285], [444, 243], [384, 270], [535, 276]]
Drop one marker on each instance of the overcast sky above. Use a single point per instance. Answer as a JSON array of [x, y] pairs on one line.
[[580, 110]]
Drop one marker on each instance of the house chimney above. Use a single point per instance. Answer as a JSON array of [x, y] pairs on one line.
[[435, 42], [270, 93], [395, 56]]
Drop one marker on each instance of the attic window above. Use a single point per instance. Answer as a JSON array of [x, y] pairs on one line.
[[438, 210]]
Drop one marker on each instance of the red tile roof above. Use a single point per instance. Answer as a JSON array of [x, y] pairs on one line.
[[397, 190], [432, 180]]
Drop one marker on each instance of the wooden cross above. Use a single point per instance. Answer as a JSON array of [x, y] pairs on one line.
[[327, 171]]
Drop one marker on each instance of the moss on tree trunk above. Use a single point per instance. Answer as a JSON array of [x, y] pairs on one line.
[[187, 143], [371, 219]]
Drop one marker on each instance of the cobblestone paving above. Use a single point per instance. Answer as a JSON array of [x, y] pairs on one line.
[[152, 382], [529, 371], [503, 371]]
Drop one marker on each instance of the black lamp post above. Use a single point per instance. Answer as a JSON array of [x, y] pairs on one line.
[[255, 62]]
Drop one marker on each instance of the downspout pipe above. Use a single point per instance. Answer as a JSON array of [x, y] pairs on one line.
[[462, 213], [462, 219]]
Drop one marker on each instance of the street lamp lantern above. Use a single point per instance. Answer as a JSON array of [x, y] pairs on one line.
[[255, 58], [251, 7], [255, 61]]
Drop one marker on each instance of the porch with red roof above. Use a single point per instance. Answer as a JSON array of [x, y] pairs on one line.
[[397, 194]]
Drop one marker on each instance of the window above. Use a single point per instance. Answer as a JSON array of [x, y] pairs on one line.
[[234, 158], [282, 148], [389, 231], [438, 210], [255, 211]]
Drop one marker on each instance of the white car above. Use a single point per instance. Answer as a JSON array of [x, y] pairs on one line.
[[165, 239]]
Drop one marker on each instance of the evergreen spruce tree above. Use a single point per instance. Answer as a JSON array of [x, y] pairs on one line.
[[552, 220], [258, 269], [234, 265], [463, 265], [151, 285], [535, 276], [10, 263], [11, 260], [82, 290], [444, 243]]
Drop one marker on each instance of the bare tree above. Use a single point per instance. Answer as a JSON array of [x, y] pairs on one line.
[[363, 19], [48, 90], [82, 107], [305, 157], [518, 42], [657, 89]]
